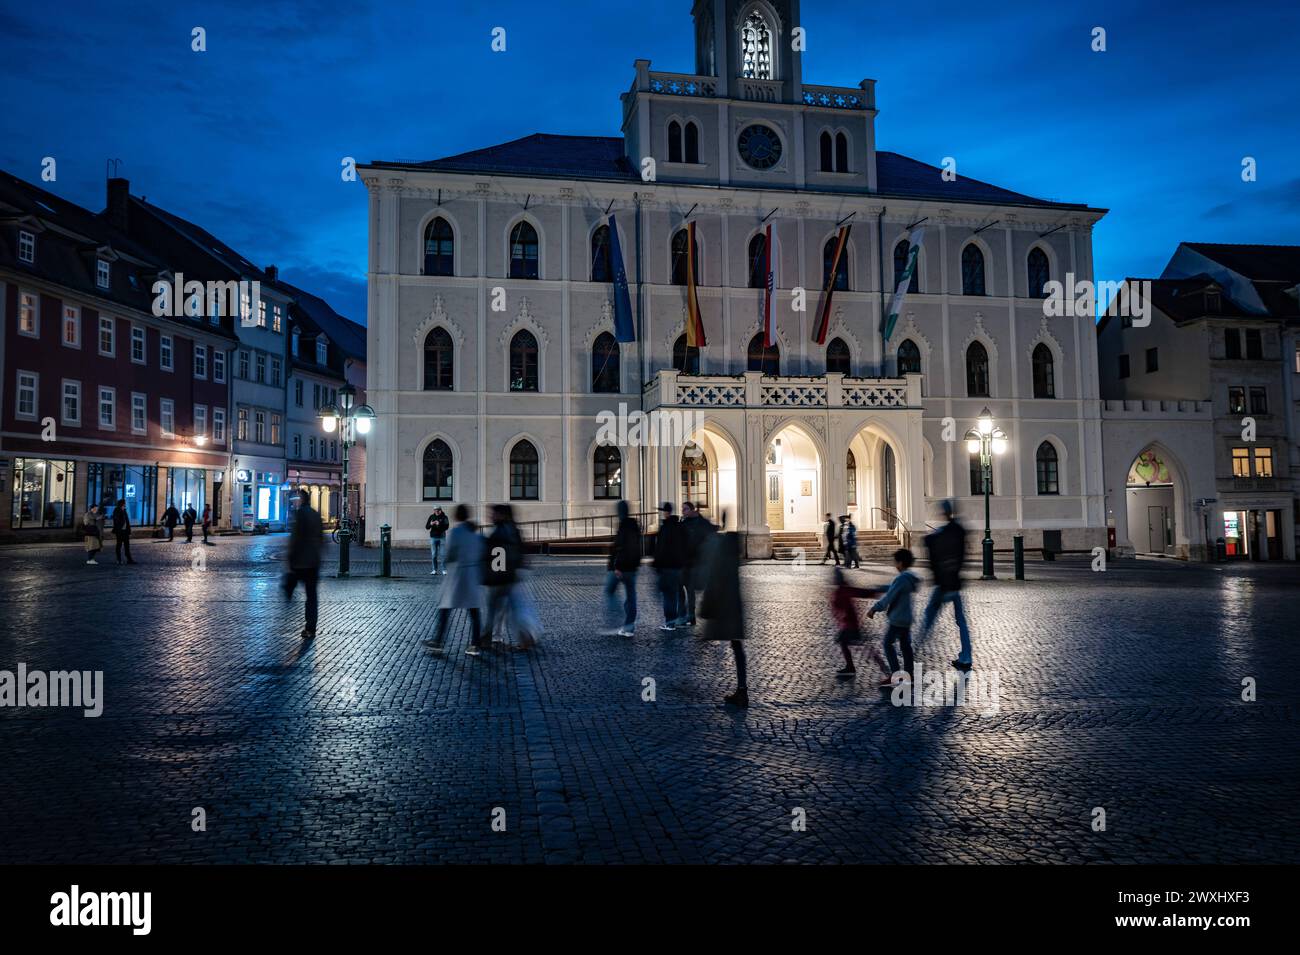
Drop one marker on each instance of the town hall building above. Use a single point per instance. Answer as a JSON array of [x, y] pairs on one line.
[[493, 293]]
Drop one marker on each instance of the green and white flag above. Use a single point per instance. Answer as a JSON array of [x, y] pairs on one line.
[[904, 282]]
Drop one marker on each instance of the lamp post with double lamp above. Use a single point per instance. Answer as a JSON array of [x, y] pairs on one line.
[[350, 420], [986, 440]]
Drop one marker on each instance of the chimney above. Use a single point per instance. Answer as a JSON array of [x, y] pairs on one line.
[[119, 200], [272, 272]]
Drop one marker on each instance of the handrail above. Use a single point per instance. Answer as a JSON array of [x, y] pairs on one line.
[[588, 526], [894, 521]]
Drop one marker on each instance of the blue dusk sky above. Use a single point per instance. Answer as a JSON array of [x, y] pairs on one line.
[[246, 139]]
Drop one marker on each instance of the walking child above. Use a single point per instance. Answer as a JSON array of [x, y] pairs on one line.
[[897, 606], [848, 632]]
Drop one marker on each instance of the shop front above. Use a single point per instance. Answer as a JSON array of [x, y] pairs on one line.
[[43, 493], [1257, 530], [136, 484], [258, 500]]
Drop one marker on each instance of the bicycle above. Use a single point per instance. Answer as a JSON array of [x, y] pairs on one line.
[[343, 526]]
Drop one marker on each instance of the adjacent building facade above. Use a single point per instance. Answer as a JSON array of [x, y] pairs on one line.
[[491, 325]]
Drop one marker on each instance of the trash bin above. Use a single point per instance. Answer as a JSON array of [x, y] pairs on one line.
[[1220, 549]]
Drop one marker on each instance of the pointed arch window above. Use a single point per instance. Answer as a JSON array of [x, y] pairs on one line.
[[1047, 464], [972, 270], [851, 472], [686, 360], [523, 251], [755, 48], [523, 472], [1040, 273], [692, 138], [757, 248], [827, 152], [838, 357], [438, 472], [977, 476], [695, 476], [602, 260], [900, 266], [841, 271], [1044, 372], [977, 371], [523, 361], [604, 364], [439, 248], [909, 357], [674, 141], [841, 153], [766, 360], [439, 359], [607, 474], [679, 262]]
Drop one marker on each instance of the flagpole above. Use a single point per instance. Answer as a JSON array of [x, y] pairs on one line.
[[640, 351]]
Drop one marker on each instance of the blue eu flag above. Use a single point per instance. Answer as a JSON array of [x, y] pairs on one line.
[[624, 327]]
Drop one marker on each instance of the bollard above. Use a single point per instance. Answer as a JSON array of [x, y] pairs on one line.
[[1019, 544], [385, 551]]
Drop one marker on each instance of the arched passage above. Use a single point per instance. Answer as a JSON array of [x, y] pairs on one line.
[[881, 488], [792, 481], [1154, 500], [709, 478]]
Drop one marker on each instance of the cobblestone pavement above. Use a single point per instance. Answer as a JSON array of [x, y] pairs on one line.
[[1119, 690]]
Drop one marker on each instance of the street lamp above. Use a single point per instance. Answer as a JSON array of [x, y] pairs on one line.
[[986, 440], [349, 420]]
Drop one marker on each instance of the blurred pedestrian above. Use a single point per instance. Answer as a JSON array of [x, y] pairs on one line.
[[829, 534], [122, 532], [306, 536], [207, 524], [849, 541], [463, 568], [504, 558], [92, 532], [897, 606], [171, 517], [848, 632], [624, 562], [698, 530], [947, 551], [189, 517], [437, 525], [722, 607], [670, 558]]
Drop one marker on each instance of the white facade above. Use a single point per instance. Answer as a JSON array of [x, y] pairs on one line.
[[906, 458]]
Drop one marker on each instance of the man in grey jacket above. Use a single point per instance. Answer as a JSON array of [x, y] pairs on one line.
[[462, 588]]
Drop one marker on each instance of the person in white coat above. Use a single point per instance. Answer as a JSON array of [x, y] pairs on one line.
[[462, 588]]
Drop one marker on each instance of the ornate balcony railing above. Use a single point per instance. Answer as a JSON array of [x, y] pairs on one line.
[[683, 84], [753, 390], [761, 91], [839, 97]]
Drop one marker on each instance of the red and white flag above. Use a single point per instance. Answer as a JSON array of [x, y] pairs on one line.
[[771, 263]]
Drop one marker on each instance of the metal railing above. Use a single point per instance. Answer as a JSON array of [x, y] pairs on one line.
[[592, 526], [895, 523]]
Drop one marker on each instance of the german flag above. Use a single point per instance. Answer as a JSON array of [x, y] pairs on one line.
[[824, 313], [694, 321]]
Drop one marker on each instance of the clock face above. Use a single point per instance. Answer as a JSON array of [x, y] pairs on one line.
[[759, 146]]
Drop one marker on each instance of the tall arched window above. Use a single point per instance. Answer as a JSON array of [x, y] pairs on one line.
[[900, 266], [1044, 372], [827, 152], [607, 474], [604, 364], [851, 471], [977, 476], [909, 357], [523, 251], [972, 270], [838, 358], [679, 262], [438, 360], [523, 361], [438, 484], [828, 258], [523, 472], [674, 141], [602, 260], [755, 48], [692, 143], [1040, 273], [757, 247], [685, 358], [1047, 465], [439, 248], [841, 153], [977, 371], [695, 476], [766, 360]]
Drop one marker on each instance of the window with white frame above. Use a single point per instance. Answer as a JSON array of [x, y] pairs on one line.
[[25, 404], [294, 343], [167, 417], [200, 361], [107, 408], [261, 313], [311, 448], [137, 344], [29, 317], [165, 353], [275, 428], [261, 367], [243, 365], [71, 402], [275, 318], [200, 420], [101, 273], [218, 365], [275, 372], [26, 247], [72, 326], [107, 336], [219, 425], [241, 424], [297, 392], [297, 445], [259, 426], [245, 308], [139, 413], [322, 352]]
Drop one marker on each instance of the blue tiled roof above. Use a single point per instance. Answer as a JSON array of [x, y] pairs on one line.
[[601, 157]]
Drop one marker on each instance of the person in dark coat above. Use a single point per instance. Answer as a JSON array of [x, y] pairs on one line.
[[670, 558], [305, 539], [189, 517], [947, 551], [207, 524], [171, 517], [698, 529], [122, 532], [624, 562], [829, 533], [502, 560], [722, 607], [437, 525]]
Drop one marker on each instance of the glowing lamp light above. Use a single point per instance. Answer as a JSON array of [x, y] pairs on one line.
[[986, 422], [999, 445], [973, 446]]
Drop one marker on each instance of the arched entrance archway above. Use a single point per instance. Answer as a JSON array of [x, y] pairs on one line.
[[879, 498], [792, 481], [707, 477], [1154, 503]]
